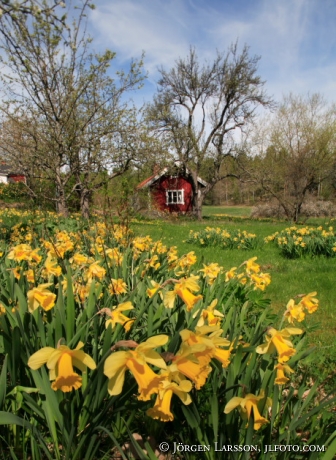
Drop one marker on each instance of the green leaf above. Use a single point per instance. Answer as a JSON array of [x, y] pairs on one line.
[[3, 380], [70, 308]]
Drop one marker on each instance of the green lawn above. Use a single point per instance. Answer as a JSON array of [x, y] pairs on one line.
[[240, 211], [289, 277]]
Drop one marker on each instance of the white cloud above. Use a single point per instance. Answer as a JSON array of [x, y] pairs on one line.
[[295, 39]]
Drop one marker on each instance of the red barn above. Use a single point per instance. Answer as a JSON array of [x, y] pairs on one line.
[[171, 191], [7, 175]]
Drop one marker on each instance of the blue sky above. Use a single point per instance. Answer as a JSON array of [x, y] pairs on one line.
[[295, 39]]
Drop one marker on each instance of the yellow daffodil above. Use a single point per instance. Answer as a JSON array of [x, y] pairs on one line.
[[82, 291], [79, 259], [230, 274], [60, 362], [41, 296], [193, 363], [247, 406], [3, 310], [35, 256], [188, 298], [154, 289], [114, 255], [118, 286], [294, 312], [117, 317], [172, 256], [17, 272], [185, 262], [211, 272], [136, 361], [183, 288], [309, 302], [281, 369], [260, 280], [51, 267], [95, 271], [30, 275], [251, 266], [210, 337], [277, 341], [20, 252], [161, 410], [209, 315]]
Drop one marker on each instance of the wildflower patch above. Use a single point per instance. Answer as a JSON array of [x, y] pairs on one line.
[[224, 239], [295, 242]]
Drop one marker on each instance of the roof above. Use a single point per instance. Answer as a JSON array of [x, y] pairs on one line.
[[155, 177], [6, 170]]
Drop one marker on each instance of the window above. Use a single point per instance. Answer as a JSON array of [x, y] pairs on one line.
[[175, 197]]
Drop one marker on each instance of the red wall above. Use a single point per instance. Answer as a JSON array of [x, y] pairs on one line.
[[16, 178], [172, 183]]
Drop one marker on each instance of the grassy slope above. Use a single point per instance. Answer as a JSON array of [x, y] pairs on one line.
[[289, 277]]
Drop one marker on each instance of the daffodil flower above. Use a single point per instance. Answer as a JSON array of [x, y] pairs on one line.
[[51, 267], [154, 289], [118, 286], [281, 369], [41, 296], [209, 315], [117, 317], [210, 337], [230, 274], [135, 361], [60, 362], [211, 272], [161, 410], [95, 271], [184, 288], [20, 252], [294, 312], [309, 302], [277, 341], [192, 362], [247, 406]]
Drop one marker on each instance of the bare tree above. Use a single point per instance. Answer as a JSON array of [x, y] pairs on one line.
[[73, 111], [200, 107], [294, 151]]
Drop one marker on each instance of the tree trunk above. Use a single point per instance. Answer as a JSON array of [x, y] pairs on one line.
[[85, 196], [61, 205], [199, 204]]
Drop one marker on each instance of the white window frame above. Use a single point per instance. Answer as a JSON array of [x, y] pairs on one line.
[[179, 197]]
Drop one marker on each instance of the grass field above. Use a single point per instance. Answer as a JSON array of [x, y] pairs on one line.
[[290, 277]]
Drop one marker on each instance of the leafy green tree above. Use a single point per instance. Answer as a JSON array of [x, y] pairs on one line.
[[60, 95], [294, 151]]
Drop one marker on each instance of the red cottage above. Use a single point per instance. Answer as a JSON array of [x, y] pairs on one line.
[[171, 191], [7, 175]]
